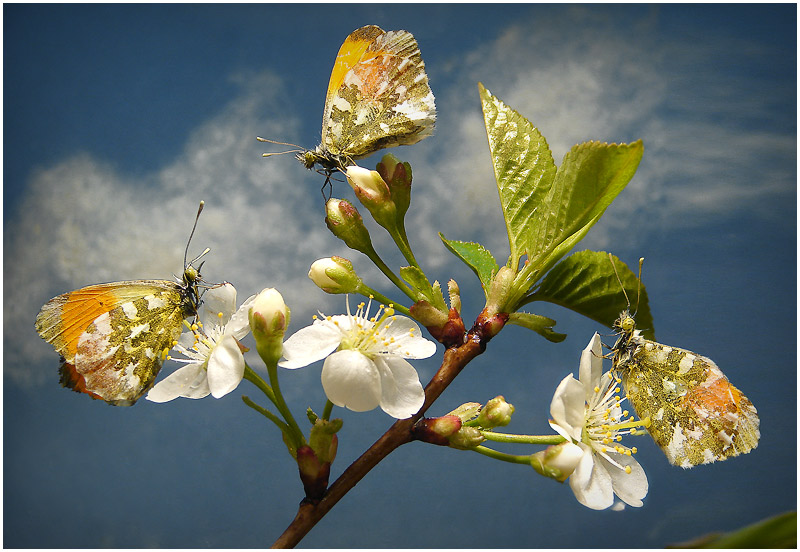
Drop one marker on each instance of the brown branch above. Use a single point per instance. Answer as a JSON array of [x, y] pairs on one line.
[[398, 434]]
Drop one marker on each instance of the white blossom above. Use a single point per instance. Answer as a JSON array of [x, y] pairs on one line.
[[365, 359], [587, 412], [214, 364]]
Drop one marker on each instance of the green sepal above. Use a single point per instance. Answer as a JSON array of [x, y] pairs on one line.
[[427, 292], [539, 324], [475, 256], [586, 283]]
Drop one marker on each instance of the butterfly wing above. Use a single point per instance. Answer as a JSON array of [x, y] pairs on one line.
[[378, 95], [113, 337], [697, 416]]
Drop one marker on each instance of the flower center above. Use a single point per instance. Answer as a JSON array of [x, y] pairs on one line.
[[369, 336], [606, 421]]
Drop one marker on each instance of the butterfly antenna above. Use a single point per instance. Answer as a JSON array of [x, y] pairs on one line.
[[614, 266], [297, 149], [194, 226], [639, 285]]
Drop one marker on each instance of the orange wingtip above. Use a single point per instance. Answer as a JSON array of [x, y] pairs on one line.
[[71, 379], [352, 51]]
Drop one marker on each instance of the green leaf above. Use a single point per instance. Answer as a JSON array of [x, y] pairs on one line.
[[539, 324], [775, 532], [475, 256], [586, 283], [523, 168], [419, 282], [548, 210], [591, 175]]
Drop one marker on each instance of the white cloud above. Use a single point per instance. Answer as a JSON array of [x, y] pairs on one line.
[[82, 222], [583, 74]]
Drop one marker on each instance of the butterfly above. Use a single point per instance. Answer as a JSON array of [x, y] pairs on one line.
[[113, 338], [378, 97], [696, 415]]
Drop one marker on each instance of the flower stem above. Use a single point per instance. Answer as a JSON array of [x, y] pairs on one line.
[[505, 457], [373, 256], [401, 240], [295, 433], [269, 415], [526, 439], [251, 376], [273, 393]]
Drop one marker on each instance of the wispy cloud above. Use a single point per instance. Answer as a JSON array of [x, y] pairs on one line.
[[716, 140]]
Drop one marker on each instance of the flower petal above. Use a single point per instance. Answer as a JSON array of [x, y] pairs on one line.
[[218, 299], [239, 324], [401, 392], [591, 367], [408, 340], [225, 367], [591, 483], [568, 407], [188, 381], [352, 380], [310, 344], [632, 487]]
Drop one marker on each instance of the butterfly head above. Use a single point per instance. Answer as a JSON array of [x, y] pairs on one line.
[[625, 324], [308, 158]]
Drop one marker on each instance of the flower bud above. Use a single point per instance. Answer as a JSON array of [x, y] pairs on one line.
[[368, 185], [428, 315], [313, 473], [335, 275], [322, 438], [467, 438], [437, 430], [374, 194], [557, 461], [269, 318], [397, 176], [344, 220], [497, 412]]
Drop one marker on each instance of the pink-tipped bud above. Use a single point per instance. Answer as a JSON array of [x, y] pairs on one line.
[[374, 194], [437, 431], [345, 222]]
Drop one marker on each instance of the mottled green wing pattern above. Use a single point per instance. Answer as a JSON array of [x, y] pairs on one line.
[[696, 415], [121, 352], [381, 97]]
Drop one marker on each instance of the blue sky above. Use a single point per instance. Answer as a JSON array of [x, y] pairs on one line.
[[118, 120]]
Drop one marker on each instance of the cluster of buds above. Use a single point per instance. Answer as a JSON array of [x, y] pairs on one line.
[[462, 427], [386, 194]]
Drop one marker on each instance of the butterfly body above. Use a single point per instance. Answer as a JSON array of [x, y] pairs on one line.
[[378, 97], [696, 415], [113, 338]]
